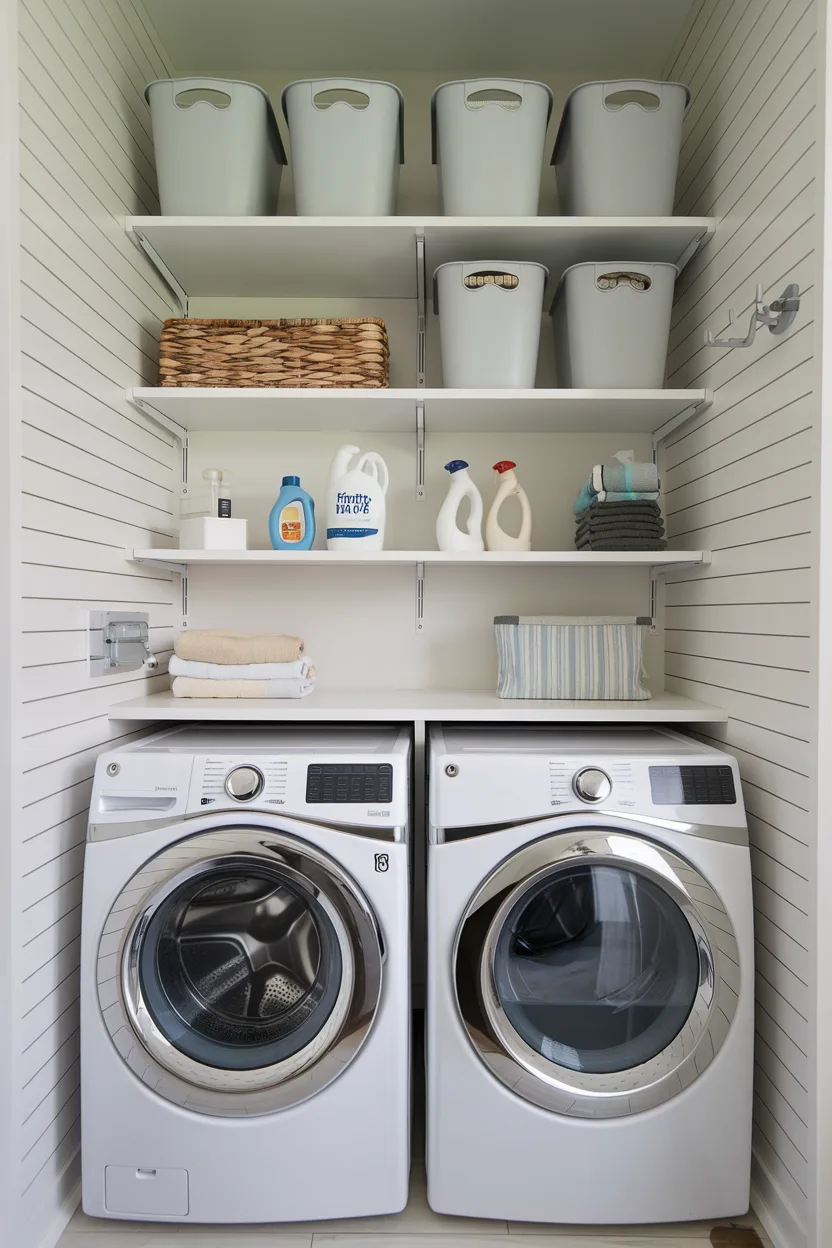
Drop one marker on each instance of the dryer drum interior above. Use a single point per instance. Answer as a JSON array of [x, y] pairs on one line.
[[588, 979]]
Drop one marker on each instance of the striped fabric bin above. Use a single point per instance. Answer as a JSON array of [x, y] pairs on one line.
[[595, 658]]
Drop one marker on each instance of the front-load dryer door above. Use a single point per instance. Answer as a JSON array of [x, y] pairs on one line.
[[592, 973], [248, 972]]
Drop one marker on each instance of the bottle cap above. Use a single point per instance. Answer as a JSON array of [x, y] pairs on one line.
[[212, 474], [456, 464], [291, 480], [504, 465]]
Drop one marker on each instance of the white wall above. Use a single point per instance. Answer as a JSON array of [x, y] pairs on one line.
[[94, 476], [740, 480]]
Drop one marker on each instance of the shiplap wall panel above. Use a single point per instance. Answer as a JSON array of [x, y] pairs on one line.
[[96, 476], [738, 480]]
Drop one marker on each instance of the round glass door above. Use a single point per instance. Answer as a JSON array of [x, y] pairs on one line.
[[588, 973], [248, 969], [240, 968], [596, 968]]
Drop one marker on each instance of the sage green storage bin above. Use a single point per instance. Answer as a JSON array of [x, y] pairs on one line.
[[218, 148]]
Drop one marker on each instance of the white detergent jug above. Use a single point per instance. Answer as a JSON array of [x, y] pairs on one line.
[[449, 536], [496, 538], [356, 506]]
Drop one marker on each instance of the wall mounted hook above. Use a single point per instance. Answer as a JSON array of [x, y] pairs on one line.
[[776, 316]]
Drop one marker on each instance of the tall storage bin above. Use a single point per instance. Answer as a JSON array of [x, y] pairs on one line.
[[488, 140], [617, 150], [612, 325], [218, 148], [347, 140], [595, 658], [489, 323]]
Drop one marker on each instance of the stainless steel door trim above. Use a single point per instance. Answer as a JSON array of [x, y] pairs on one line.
[[589, 1095], [240, 1093], [552, 823], [103, 831]]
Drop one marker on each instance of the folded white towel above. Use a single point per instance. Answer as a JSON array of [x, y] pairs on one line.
[[189, 687], [297, 670]]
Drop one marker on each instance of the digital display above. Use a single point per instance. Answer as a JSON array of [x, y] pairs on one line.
[[350, 783], [693, 786]]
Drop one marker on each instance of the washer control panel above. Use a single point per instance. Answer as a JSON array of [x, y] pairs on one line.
[[592, 784], [352, 783], [693, 786]]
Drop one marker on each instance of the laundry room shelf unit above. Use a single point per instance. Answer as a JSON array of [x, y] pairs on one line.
[[216, 410], [309, 257], [417, 705], [655, 559]]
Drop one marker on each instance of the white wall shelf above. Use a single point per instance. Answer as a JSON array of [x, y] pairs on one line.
[[417, 704], [215, 410], [375, 258], [656, 559]]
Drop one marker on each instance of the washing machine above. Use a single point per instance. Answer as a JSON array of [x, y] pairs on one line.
[[245, 997], [590, 977]]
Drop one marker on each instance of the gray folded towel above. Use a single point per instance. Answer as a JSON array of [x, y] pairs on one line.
[[609, 511], [646, 528], [623, 543]]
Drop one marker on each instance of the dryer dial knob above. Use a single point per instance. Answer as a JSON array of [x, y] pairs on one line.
[[592, 784], [244, 784]]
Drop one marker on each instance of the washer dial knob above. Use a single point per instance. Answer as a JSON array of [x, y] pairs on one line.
[[244, 784], [592, 785]]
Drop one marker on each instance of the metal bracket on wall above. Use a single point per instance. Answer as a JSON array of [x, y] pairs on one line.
[[421, 313], [420, 598], [179, 294], [661, 570], [776, 317], [420, 452], [172, 426], [681, 418]]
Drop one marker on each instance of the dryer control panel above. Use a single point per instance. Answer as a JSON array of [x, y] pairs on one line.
[[351, 783]]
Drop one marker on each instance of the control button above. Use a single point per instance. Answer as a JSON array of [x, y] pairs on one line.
[[244, 783], [592, 784]]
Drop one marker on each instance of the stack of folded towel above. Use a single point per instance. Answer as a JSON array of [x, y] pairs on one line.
[[617, 509], [211, 663]]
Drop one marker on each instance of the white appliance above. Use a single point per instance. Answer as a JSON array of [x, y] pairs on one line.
[[590, 977], [245, 1022]]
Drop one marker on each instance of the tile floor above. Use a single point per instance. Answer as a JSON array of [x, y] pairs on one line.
[[417, 1227]]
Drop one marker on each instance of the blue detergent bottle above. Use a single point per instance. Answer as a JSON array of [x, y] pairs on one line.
[[292, 519]]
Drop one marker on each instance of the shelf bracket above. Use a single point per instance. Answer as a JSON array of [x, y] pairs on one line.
[[420, 599], [658, 570], [172, 426], [693, 246], [420, 452], [421, 313], [179, 294], [681, 418]]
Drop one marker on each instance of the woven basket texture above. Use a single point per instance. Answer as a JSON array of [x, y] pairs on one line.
[[303, 353]]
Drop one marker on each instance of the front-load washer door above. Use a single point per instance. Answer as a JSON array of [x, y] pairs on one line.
[[597, 973], [248, 972]]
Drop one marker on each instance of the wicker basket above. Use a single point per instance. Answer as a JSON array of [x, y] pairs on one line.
[[303, 353]]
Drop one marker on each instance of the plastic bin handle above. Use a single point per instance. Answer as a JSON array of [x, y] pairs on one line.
[[220, 87], [327, 90], [512, 95], [370, 89], [650, 95]]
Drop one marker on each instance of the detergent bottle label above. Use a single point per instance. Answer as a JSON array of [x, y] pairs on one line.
[[356, 506], [291, 523]]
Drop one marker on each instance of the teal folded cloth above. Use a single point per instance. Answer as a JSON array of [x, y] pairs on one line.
[[589, 496]]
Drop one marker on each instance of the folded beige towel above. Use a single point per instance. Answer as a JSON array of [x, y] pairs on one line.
[[194, 687], [216, 645]]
